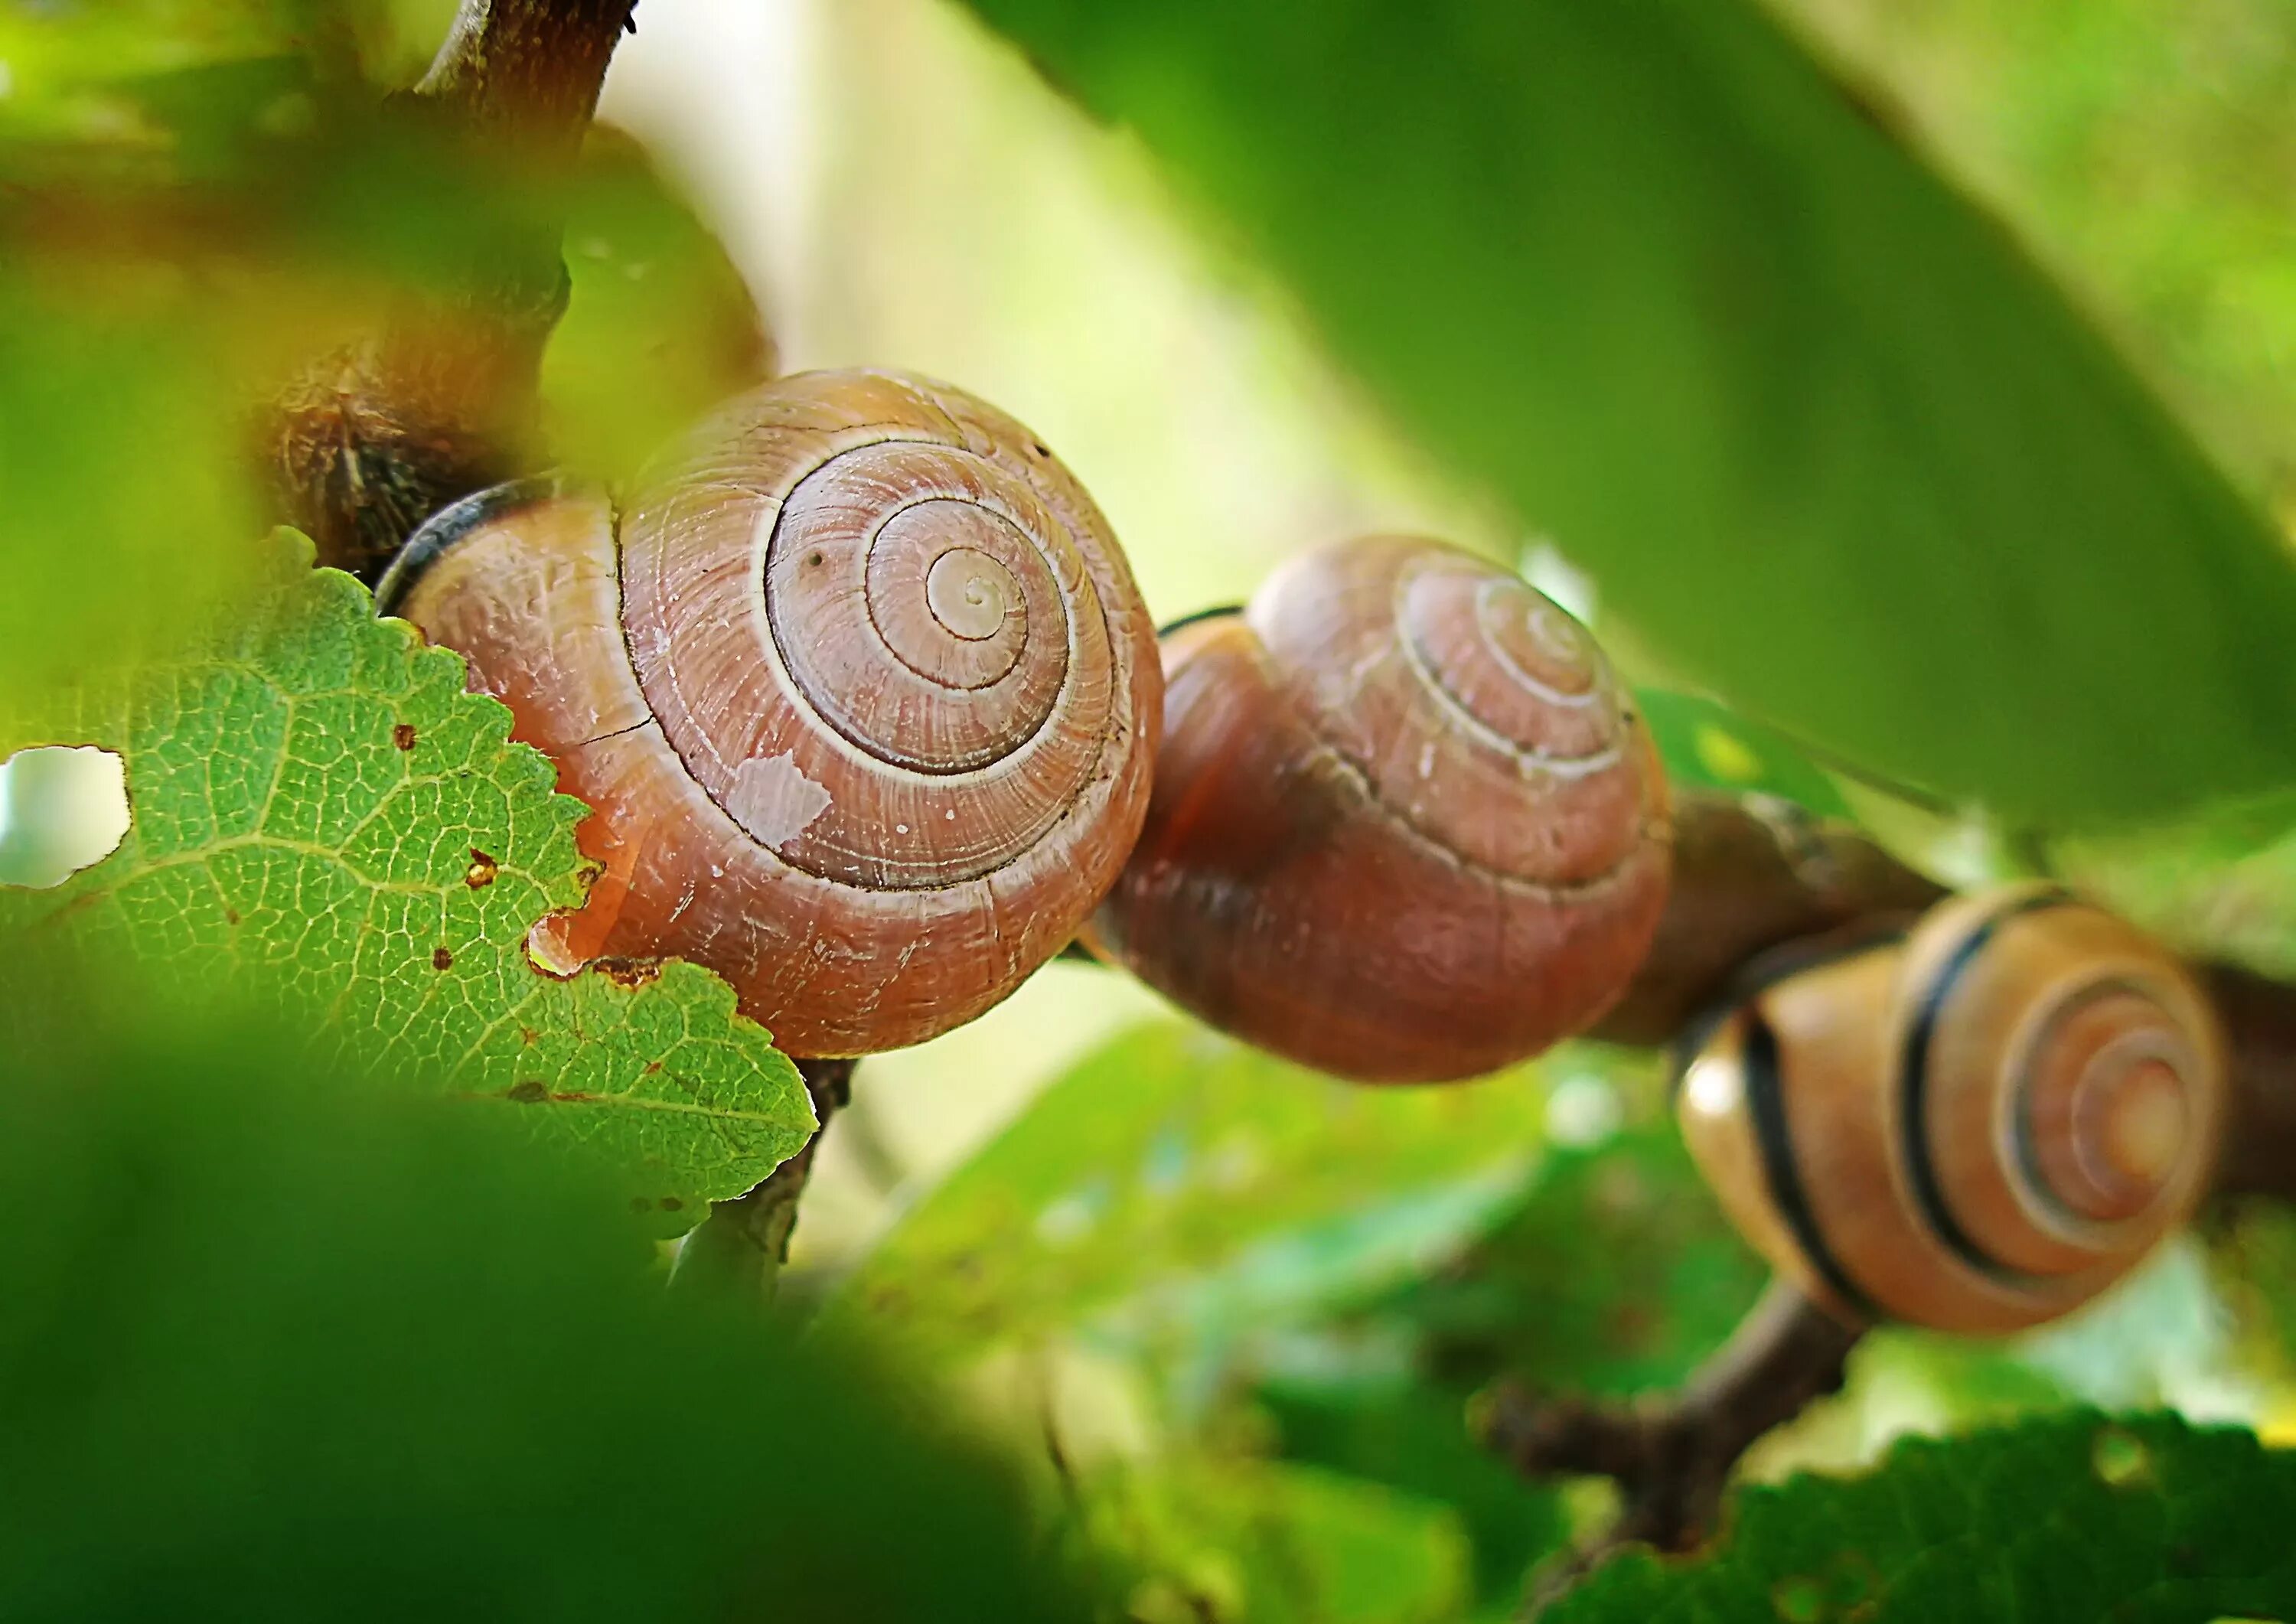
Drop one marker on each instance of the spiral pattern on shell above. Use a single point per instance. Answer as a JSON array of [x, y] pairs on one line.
[[1406, 826], [1976, 1128], [912, 619], [858, 687], [1480, 716]]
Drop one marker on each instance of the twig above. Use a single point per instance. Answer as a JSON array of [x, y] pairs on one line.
[[437, 400], [738, 1251], [1753, 873], [528, 71], [1672, 1456], [2258, 1154]]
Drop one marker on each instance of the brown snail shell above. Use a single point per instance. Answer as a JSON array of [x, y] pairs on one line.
[[1406, 825], [1977, 1127], [856, 684]]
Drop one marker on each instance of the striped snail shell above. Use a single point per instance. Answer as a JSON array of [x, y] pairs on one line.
[[857, 685], [1977, 1127], [1406, 826]]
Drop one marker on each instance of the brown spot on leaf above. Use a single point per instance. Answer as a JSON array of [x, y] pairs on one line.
[[531, 1092], [480, 873], [441, 959], [670, 1203], [402, 735], [651, 1067], [529, 1037], [630, 972], [231, 916]]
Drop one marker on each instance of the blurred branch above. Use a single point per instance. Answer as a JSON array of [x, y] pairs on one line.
[[528, 71], [1753, 873], [1671, 1457], [2258, 1155], [438, 399], [740, 1248]]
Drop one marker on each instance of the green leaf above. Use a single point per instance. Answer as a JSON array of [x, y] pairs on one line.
[[326, 824], [659, 325], [121, 474], [281, 1345], [1265, 1544], [1616, 1273], [1412, 1435], [2223, 885], [1177, 1186], [1820, 429], [1708, 746], [2254, 1248], [2077, 1518]]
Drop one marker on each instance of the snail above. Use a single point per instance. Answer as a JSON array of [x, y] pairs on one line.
[[1974, 1125], [856, 684], [1406, 826]]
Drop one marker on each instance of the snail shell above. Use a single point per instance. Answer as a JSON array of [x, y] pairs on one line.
[[856, 684], [1406, 825], [1977, 1127]]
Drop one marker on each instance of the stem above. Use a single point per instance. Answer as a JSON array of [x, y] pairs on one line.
[[437, 399], [1750, 874], [2258, 1154], [1672, 1456], [528, 69], [738, 1251]]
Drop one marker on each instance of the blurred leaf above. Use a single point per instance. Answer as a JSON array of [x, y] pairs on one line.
[[1818, 428], [1174, 1185], [2223, 885], [2075, 1518], [1708, 746], [326, 822], [1248, 1543], [2255, 1252], [2147, 145], [1414, 1437], [277, 1346], [659, 326], [1616, 1273], [128, 504]]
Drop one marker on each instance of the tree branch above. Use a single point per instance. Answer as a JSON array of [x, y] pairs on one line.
[[2258, 1154], [527, 71], [437, 400], [1672, 1458], [740, 1248], [1751, 872]]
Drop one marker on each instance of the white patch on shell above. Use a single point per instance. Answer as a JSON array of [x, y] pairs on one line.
[[773, 799]]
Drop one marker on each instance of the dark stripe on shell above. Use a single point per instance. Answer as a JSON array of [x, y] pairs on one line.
[[1765, 1106], [1920, 1156]]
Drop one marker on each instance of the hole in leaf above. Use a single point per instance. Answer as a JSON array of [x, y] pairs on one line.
[[63, 809]]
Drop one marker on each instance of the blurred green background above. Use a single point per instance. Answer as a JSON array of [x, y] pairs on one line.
[[1222, 1317]]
